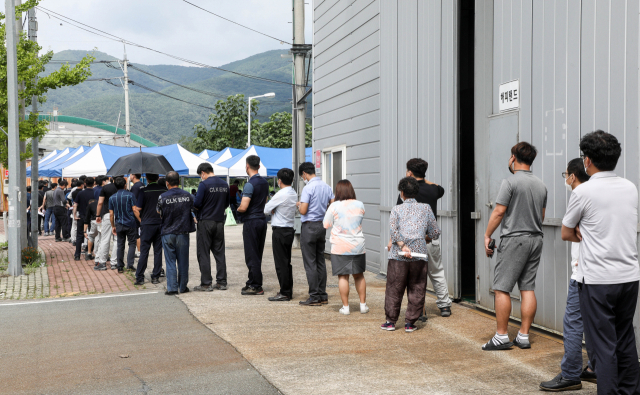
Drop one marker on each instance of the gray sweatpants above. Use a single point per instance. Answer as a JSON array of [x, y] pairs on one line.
[[436, 274], [102, 249]]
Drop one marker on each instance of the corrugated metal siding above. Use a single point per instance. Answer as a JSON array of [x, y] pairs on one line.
[[347, 100], [577, 62]]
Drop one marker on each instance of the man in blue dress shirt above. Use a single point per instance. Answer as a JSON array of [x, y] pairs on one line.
[[123, 223]]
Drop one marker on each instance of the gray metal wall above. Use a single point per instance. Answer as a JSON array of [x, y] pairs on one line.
[[577, 62], [346, 101], [418, 90]]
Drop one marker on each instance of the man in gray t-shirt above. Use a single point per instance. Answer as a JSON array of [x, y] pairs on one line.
[[520, 207]]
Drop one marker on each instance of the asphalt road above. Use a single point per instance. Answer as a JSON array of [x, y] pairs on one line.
[[76, 346]]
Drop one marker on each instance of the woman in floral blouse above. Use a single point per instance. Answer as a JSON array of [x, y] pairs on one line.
[[412, 224]]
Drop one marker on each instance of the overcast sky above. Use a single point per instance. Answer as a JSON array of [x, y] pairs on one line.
[[172, 26]]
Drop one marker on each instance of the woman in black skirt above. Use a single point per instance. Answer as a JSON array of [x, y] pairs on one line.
[[347, 243]]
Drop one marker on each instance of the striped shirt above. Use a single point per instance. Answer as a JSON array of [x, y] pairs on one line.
[[121, 203]]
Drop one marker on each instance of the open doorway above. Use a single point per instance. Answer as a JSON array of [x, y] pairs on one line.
[[466, 158]]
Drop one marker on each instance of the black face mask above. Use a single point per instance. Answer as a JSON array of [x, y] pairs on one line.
[[511, 170]]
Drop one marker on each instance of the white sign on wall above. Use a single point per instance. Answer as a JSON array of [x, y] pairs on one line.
[[509, 96]]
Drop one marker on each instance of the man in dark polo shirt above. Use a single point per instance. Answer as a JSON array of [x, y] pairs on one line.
[[254, 231], [174, 206], [81, 202], [212, 199], [150, 228], [104, 220]]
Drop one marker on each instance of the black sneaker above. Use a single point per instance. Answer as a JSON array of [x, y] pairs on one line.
[[131, 268], [162, 273], [253, 291], [139, 282], [67, 240], [220, 287], [185, 290], [73, 243], [560, 384], [89, 257], [244, 288], [155, 280], [520, 344], [409, 327], [100, 267], [58, 240], [490, 346], [311, 302], [203, 288], [76, 258], [324, 301], [445, 311], [589, 376], [171, 292], [120, 270]]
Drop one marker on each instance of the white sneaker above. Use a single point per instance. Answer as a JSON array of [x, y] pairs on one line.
[[344, 310], [364, 309]]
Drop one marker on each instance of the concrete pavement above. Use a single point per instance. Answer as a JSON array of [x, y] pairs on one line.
[[74, 346], [304, 350]]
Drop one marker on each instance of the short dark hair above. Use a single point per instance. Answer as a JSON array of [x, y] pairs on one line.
[[193, 191], [409, 187], [161, 180], [89, 181], [524, 152], [60, 179], [286, 176], [120, 182], [152, 177], [576, 167], [29, 188], [74, 183], [82, 178], [418, 167], [602, 148], [137, 175], [53, 185], [254, 162], [205, 168], [98, 180], [344, 190], [40, 184], [172, 178], [236, 182], [307, 167]]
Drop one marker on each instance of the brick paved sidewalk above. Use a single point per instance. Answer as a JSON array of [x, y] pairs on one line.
[[68, 277]]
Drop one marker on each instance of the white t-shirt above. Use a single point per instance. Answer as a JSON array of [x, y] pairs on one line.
[[575, 253], [606, 208]]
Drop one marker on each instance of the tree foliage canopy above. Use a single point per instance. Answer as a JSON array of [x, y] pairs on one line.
[[30, 65], [227, 127]]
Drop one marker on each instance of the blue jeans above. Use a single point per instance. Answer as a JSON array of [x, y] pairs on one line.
[[176, 248], [573, 329], [49, 214]]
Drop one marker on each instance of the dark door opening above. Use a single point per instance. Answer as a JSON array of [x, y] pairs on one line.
[[466, 158]]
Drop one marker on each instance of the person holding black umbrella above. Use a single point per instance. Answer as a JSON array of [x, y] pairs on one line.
[[150, 228]]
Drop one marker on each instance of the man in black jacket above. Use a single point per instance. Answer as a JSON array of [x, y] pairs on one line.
[[212, 199]]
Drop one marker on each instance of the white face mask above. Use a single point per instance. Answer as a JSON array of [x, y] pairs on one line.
[[305, 181], [568, 186]]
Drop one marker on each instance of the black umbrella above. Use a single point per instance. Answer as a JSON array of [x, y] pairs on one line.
[[140, 162]]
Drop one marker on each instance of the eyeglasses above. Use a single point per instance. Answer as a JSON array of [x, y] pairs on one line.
[[565, 174]]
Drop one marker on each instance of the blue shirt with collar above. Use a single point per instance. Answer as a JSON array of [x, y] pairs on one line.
[[318, 195], [121, 203]]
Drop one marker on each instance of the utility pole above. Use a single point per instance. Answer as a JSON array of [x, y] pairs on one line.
[[300, 52], [127, 125], [23, 149], [33, 36], [15, 195]]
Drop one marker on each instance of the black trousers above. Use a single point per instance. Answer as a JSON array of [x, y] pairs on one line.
[[150, 235], [254, 235], [607, 311], [130, 235], [312, 243], [69, 221], [210, 239], [79, 236], [282, 240], [61, 222]]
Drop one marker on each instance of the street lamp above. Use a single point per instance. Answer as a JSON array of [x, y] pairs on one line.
[[249, 118]]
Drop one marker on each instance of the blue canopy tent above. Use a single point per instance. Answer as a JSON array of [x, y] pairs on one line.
[[206, 154], [54, 169], [55, 154], [96, 161]]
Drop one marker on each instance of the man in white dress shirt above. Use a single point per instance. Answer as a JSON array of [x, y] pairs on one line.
[[282, 208], [603, 215]]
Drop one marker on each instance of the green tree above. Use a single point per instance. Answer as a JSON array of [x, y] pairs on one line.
[[276, 133], [227, 126], [30, 65]]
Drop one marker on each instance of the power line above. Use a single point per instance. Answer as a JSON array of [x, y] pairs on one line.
[[124, 41], [165, 95], [236, 23]]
